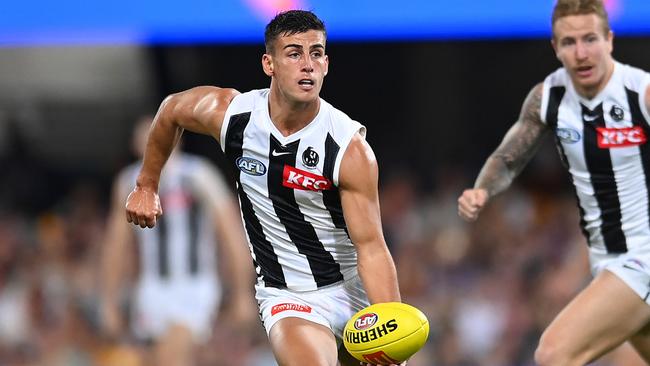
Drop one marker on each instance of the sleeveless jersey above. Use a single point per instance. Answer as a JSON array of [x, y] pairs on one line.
[[288, 193], [603, 144], [182, 245]]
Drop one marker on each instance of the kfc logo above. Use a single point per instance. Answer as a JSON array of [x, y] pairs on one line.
[[306, 181], [620, 137]]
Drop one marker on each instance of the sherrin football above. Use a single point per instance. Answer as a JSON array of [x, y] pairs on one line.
[[386, 333]]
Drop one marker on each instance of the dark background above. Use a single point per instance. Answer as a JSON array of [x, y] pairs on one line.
[[431, 109], [434, 111]]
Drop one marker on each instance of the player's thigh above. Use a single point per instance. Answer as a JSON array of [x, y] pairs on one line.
[[601, 317], [641, 342], [296, 341]]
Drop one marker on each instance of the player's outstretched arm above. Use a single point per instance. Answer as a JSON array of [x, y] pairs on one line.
[[199, 110], [509, 159], [358, 181]]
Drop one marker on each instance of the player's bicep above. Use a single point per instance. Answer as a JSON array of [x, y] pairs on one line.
[[200, 109], [524, 137], [359, 193]]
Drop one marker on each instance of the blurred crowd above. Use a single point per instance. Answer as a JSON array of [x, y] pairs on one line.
[[488, 288]]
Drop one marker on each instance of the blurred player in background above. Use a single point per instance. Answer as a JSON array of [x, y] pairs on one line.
[[308, 192], [598, 111], [180, 277]]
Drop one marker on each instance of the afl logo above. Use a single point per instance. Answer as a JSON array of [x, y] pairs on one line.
[[310, 157], [365, 321], [250, 166], [617, 113], [568, 135]]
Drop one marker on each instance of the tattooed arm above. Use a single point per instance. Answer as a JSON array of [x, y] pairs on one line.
[[509, 159]]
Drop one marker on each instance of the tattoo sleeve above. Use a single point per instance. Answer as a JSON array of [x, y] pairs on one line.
[[517, 147]]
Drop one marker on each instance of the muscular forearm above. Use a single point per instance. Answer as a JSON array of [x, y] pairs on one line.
[[496, 176], [517, 148], [379, 277], [164, 135]]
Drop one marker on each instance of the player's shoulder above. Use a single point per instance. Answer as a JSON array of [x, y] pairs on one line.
[[213, 90], [633, 78], [203, 93], [340, 123], [559, 77], [332, 112], [248, 101]]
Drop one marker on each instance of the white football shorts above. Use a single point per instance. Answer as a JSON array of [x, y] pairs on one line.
[[632, 267], [192, 303], [330, 306]]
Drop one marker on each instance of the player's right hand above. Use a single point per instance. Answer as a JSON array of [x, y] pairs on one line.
[[143, 207], [471, 202]]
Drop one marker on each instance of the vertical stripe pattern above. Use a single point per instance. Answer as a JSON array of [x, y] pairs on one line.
[[325, 270], [639, 120], [332, 198], [291, 208], [265, 258], [599, 164], [555, 98], [603, 140], [556, 94]]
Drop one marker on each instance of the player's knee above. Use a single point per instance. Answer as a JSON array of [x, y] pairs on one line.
[[550, 353], [545, 355]]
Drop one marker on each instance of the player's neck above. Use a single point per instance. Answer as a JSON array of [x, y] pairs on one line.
[[290, 117]]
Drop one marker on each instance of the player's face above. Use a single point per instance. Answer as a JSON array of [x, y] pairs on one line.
[[584, 49], [298, 65]]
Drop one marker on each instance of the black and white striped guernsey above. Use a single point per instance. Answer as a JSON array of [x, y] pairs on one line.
[[288, 192], [603, 144]]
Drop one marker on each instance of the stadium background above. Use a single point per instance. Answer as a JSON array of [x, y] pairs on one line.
[[436, 83]]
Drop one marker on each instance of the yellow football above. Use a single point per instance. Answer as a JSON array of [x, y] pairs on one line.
[[386, 333]]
